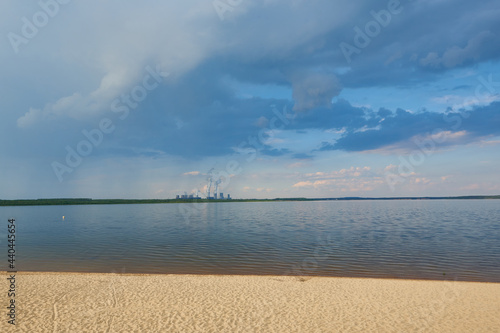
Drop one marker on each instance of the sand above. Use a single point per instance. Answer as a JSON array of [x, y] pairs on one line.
[[72, 302]]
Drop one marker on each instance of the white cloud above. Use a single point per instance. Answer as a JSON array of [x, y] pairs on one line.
[[192, 173], [303, 184], [354, 179], [30, 118]]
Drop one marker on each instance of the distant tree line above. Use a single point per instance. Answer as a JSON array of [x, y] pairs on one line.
[[88, 201]]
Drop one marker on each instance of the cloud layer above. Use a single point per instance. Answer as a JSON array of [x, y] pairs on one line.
[[189, 83]]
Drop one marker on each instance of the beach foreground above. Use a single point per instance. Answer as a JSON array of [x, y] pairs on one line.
[[74, 302]]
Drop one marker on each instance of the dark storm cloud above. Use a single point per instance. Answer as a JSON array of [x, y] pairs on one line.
[[199, 116], [269, 43], [339, 116], [302, 156], [426, 38], [399, 128]]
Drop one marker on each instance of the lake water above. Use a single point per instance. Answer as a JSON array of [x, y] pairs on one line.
[[425, 239]]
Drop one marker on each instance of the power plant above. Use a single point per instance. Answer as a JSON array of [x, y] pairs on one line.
[[185, 196], [216, 195]]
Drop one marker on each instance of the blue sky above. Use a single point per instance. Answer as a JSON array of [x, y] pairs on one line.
[[322, 98]]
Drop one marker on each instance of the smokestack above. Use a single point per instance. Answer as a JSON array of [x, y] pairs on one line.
[[217, 182], [209, 186]]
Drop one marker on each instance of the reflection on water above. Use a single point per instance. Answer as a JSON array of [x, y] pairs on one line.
[[450, 239]]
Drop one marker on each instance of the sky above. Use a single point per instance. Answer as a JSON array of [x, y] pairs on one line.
[[274, 98]]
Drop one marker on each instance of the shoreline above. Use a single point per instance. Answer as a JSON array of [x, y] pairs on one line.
[[251, 275], [89, 201], [116, 302]]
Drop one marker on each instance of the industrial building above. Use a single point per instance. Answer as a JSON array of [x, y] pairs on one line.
[[216, 195]]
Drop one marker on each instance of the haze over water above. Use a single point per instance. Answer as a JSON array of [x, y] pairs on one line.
[[425, 239]]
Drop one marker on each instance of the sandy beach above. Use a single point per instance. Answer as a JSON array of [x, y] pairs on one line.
[[73, 302]]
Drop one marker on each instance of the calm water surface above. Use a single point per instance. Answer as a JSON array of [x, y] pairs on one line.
[[441, 239]]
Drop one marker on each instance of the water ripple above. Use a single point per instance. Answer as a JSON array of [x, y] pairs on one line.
[[446, 239]]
